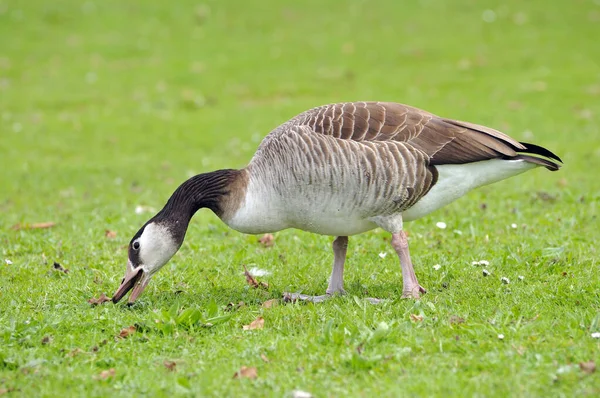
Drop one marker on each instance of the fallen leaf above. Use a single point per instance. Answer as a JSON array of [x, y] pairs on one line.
[[39, 225], [267, 240], [249, 278], [270, 303], [47, 340], [99, 300], [416, 318], [245, 371], [105, 374], [456, 320], [258, 323], [170, 365], [110, 234], [264, 358], [60, 268], [252, 281], [588, 367], [7, 390], [127, 332]]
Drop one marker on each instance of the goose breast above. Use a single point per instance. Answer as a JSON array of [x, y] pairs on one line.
[[327, 185]]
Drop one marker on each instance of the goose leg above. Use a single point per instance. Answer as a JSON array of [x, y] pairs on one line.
[[411, 287], [336, 281]]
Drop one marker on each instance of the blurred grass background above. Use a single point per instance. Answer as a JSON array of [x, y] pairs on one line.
[[107, 105]]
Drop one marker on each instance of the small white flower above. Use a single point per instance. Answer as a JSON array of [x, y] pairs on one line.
[[596, 335], [437, 267], [486, 272], [501, 336], [505, 280], [301, 394], [521, 277], [7, 261], [382, 254], [440, 225], [513, 226], [139, 209], [484, 262]]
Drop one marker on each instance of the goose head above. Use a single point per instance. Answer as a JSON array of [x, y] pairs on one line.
[[150, 248], [161, 237]]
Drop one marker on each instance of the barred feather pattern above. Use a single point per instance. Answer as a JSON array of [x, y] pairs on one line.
[[368, 178]]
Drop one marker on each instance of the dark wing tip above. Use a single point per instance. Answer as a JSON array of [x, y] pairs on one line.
[[538, 150]]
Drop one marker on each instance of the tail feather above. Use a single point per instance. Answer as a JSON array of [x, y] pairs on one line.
[[550, 165], [538, 150]]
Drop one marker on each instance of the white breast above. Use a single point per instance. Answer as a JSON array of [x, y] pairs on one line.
[[265, 210]]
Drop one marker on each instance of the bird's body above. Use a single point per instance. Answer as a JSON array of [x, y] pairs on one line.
[[344, 169]]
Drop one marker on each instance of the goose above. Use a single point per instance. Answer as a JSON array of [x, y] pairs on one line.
[[340, 170]]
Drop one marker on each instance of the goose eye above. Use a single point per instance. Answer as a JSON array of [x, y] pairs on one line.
[[136, 245]]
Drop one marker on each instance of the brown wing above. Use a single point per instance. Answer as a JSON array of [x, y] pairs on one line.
[[445, 141]]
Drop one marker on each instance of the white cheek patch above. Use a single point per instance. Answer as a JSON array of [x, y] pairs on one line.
[[156, 247]]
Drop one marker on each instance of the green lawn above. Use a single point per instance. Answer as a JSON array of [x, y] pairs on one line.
[[109, 105]]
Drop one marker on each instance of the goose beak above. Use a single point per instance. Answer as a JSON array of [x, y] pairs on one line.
[[136, 279]]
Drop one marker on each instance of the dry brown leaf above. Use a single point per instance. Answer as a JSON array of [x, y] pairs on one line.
[[38, 225], [100, 300], [252, 281], [456, 320], [267, 240], [245, 371], [47, 340], [588, 367], [258, 323], [7, 390], [110, 234], [170, 365], [60, 268], [249, 278], [270, 303], [105, 374], [416, 318], [264, 358], [128, 331]]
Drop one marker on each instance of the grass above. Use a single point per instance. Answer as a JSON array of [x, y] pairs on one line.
[[108, 105]]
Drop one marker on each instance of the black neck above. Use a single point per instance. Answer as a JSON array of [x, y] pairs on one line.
[[202, 190]]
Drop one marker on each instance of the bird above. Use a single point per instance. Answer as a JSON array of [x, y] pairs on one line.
[[340, 170]]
